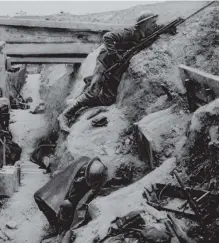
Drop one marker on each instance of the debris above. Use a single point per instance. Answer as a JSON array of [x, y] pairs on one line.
[[100, 121], [96, 112], [189, 198], [181, 213], [12, 225], [124, 224], [3, 236], [6, 235], [39, 109], [167, 92], [178, 233], [10, 235]]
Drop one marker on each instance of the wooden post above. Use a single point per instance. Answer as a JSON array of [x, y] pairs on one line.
[[3, 74], [201, 87], [4, 152], [3, 148], [19, 173], [151, 158]]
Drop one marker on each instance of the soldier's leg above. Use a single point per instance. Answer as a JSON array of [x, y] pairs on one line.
[[88, 98], [96, 84]]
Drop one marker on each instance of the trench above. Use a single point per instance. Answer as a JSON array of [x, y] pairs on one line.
[[21, 207]]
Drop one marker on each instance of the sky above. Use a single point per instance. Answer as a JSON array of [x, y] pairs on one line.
[[75, 7]]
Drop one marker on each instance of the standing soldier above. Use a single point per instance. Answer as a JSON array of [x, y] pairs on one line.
[[115, 45]]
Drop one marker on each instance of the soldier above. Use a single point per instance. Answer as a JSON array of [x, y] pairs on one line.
[[4, 111], [115, 45], [18, 103], [64, 199]]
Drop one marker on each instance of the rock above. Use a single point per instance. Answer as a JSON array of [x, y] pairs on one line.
[[12, 225], [3, 236], [127, 141], [6, 235], [10, 235], [102, 153], [117, 151], [168, 153]]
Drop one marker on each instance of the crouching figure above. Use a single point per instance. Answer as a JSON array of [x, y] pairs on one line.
[[64, 199], [102, 91]]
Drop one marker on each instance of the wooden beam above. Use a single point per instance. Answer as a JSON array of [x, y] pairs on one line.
[[45, 60], [76, 26], [23, 50], [201, 77]]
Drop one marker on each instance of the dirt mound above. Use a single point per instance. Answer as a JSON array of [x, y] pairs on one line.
[[56, 83], [167, 10], [140, 91], [201, 150]]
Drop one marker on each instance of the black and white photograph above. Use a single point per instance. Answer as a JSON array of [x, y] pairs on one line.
[[109, 121]]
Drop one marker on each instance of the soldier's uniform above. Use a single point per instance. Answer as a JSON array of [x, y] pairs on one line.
[[99, 92], [64, 197], [102, 91]]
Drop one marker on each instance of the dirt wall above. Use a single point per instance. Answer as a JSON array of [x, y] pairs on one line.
[[56, 85], [195, 45]]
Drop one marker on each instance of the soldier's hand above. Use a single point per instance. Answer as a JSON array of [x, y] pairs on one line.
[[116, 57], [120, 57], [172, 30]]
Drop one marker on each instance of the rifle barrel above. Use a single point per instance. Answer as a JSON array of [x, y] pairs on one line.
[[148, 41], [207, 5], [130, 53]]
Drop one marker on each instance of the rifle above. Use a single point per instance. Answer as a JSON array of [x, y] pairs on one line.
[[18, 94], [116, 68], [119, 66]]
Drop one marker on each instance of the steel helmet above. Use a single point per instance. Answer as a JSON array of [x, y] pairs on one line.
[[144, 16], [66, 204], [95, 172]]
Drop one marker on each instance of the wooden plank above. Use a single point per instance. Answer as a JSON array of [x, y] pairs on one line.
[[49, 49], [153, 129], [201, 87], [45, 60], [76, 26], [201, 77]]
